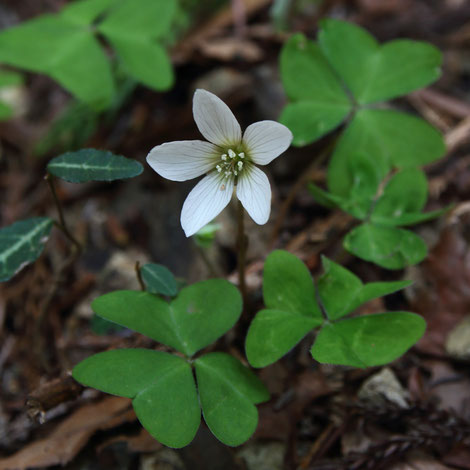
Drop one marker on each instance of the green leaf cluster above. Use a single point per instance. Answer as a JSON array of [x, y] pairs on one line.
[[341, 79], [295, 307], [383, 210], [166, 397], [66, 46]]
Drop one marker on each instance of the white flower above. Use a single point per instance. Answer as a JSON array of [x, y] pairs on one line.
[[228, 159]]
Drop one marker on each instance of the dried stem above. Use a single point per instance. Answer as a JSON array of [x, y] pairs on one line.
[[62, 224], [139, 275]]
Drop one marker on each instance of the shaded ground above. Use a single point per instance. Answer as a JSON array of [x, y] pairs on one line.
[[413, 415]]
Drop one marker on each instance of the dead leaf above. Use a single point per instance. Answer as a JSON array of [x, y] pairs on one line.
[[231, 48], [64, 443]]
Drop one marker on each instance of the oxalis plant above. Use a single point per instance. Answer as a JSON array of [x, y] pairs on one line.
[[368, 177]]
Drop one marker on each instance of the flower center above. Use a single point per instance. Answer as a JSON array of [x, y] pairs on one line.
[[231, 163]]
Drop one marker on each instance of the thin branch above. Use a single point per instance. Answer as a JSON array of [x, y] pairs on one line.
[[62, 224], [139, 275]]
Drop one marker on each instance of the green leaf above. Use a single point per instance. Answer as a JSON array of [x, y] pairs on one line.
[[324, 198], [85, 12], [228, 392], [389, 247], [374, 290], [93, 165], [273, 333], [145, 61], [390, 138], [288, 285], [60, 48], [21, 243], [142, 312], [406, 192], [100, 326], [363, 180], [85, 71], [159, 279], [408, 219], [310, 120], [403, 198], [373, 72], [160, 384], [309, 80], [9, 78], [139, 19], [205, 311], [33, 44], [364, 183], [369, 340], [200, 314], [338, 288], [5, 111]]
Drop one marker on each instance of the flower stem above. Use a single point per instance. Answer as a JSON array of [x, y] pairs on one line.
[[241, 246], [62, 224]]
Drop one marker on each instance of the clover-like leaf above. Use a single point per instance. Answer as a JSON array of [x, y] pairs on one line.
[[228, 392], [374, 290], [199, 315], [21, 243], [273, 333], [391, 138], [85, 12], [374, 72], [288, 285], [292, 310], [93, 165], [369, 340], [144, 60], [161, 386], [320, 102], [403, 199], [139, 18], [159, 279], [338, 288], [389, 247], [342, 292], [56, 46], [406, 192]]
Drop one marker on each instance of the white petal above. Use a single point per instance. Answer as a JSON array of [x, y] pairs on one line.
[[214, 119], [254, 192], [183, 160], [207, 199], [266, 140]]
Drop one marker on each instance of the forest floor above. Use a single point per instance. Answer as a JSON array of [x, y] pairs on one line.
[[413, 414]]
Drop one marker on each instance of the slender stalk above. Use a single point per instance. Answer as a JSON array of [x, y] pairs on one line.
[[139, 275], [62, 224], [241, 246]]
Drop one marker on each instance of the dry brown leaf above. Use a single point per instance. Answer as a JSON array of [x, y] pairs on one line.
[[64, 443], [231, 48]]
